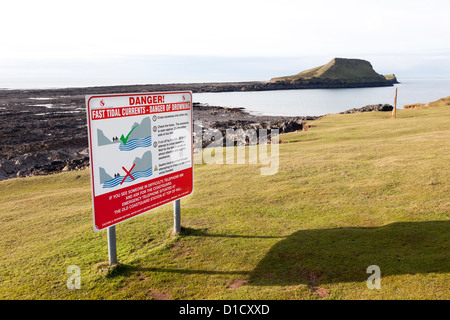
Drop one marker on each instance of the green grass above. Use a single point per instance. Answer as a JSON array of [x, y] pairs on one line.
[[357, 190]]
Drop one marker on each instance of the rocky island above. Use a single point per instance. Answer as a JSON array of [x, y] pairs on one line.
[[338, 73]]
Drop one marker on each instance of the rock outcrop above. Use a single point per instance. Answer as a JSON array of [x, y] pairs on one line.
[[339, 72], [368, 108]]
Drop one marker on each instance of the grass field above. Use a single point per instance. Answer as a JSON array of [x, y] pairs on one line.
[[352, 191]]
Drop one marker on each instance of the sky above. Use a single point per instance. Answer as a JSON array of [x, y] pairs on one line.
[[50, 43]]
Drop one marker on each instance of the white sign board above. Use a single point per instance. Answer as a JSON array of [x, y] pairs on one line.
[[141, 152]]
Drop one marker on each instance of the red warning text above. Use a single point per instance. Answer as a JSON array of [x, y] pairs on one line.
[[139, 100]]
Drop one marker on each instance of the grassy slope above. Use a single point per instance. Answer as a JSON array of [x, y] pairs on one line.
[[389, 76], [357, 190], [443, 102]]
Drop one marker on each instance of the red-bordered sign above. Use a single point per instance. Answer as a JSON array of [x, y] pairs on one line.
[[141, 152]]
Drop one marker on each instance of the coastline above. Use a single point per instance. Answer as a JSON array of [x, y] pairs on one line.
[[201, 87], [44, 130]]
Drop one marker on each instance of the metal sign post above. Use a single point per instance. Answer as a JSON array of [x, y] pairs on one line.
[[112, 250], [177, 217]]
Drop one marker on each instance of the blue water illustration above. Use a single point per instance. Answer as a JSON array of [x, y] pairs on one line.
[[136, 175], [136, 143]]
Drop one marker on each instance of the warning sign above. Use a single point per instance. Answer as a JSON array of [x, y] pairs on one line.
[[141, 153]]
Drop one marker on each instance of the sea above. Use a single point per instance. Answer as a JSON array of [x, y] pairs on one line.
[[317, 102]]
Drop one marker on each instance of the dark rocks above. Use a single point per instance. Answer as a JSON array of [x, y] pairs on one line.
[[43, 162], [294, 124], [368, 108], [217, 126]]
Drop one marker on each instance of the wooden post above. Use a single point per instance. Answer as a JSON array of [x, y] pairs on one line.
[[394, 111]]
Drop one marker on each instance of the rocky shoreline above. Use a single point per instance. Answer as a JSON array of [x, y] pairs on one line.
[[44, 131], [218, 121], [368, 108]]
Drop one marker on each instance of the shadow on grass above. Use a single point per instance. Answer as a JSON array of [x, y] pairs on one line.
[[202, 233], [343, 255], [126, 270], [338, 255]]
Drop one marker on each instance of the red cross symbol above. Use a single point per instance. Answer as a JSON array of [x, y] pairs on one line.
[[128, 173]]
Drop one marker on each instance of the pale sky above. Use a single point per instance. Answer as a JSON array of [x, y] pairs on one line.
[[49, 38]]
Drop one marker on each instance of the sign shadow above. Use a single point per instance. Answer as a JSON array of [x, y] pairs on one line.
[[324, 256], [343, 255]]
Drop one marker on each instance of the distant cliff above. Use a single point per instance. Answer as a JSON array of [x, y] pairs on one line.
[[339, 72]]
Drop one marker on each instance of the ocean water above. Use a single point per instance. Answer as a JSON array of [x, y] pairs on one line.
[[316, 102]]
